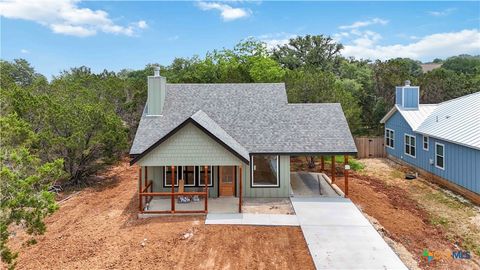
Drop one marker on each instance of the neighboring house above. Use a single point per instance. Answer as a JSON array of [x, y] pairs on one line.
[[441, 140], [238, 138]]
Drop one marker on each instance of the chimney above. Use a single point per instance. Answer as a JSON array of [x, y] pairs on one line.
[[407, 96], [156, 93]]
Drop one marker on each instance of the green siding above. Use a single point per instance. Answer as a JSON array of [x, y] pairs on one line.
[[269, 192], [189, 146]]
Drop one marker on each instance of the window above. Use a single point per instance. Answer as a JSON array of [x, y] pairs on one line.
[[390, 138], [188, 175], [440, 156], [167, 176], [425, 142], [265, 171], [410, 145], [201, 179]]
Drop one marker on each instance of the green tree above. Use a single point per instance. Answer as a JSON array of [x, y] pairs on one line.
[[442, 84], [319, 52], [465, 64], [24, 196]]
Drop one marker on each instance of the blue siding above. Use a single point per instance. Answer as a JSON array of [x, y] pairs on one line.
[[462, 164], [410, 98], [398, 95]]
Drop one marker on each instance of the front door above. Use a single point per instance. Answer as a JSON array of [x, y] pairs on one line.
[[227, 180]]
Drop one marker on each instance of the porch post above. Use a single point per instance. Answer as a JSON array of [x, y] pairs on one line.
[[333, 169], [322, 163], [345, 173], [240, 191], [173, 190], [205, 168], [140, 189]]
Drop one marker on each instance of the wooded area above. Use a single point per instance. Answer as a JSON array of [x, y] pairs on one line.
[[64, 129]]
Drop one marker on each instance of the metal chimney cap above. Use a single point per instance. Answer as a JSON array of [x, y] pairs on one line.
[[407, 83], [156, 71]]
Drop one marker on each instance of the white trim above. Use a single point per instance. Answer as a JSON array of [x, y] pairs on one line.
[[443, 156], [194, 176], [393, 138], [423, 142], [165, 176], [410, 145], [252, 166]]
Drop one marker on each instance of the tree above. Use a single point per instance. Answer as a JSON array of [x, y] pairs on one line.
[[441, 84], [319, 52], [24, 196], [465, 64]]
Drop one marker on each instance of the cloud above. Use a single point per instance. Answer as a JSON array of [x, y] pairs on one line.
[[173, 38], [359, 24], [24, 51], [66, 17], [227, 12], [272, 40], [441, 13], [439, 45]]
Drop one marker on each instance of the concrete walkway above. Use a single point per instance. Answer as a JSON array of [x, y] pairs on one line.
[[340, 237], [252, 219]]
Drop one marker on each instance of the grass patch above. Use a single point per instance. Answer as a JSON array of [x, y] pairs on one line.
[[439, 221], [354, 164], [396, 174], [448, 201]]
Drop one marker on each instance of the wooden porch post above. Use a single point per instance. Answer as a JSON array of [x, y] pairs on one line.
[[333, 169], [173, 189], [140, 189], [206, 187], [240, 191], [345, 173], [322, 164]]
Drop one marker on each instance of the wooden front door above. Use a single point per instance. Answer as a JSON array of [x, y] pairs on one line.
[[227, 180]]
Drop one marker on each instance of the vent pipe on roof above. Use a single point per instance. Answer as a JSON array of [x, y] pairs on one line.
[[157, 87], [407, 83]]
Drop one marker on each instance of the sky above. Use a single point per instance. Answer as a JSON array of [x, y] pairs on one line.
[[56, 35]]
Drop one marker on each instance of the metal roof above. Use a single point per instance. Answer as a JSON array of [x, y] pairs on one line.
[[256, 116], [456, 120]]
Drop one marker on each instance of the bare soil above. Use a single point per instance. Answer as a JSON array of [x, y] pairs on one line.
[[98, 228], [413, 215]]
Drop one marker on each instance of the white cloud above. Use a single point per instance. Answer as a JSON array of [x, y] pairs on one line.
[[173, 38], [441, 13], [272, 40], [227, 12], [142, 24], [359, 24], [24, 51], [439, 45], [66, 17]]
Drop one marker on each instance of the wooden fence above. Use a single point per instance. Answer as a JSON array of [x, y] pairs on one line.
[[370, 147]]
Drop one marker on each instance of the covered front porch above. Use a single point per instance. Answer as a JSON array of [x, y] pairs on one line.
[[196, 189]]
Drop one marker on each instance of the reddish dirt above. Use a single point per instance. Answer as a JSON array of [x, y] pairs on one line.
[[403, 220], [98, 229]]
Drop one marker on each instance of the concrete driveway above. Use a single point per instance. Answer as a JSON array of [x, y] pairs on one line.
[[340, 237], [307, 184]]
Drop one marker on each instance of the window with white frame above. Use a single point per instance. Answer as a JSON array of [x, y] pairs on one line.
[[265, 171], [167, 176], [390, 138], [410, 146], [425, 142], [201, 179], [188, 175], [440, 155]]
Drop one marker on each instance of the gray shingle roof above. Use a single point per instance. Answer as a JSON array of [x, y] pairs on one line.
[[255, 116]]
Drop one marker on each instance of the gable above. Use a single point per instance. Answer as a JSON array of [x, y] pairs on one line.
[[189, 146]]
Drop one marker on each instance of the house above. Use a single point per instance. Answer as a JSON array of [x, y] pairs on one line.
[[441, 141], [227, 140]]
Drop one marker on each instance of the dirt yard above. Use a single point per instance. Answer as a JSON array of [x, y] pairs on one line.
[[98, 229], [413, 215]]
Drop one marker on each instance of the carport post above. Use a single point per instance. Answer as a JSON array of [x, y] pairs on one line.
[[333, 169], [322, 163], [205, 168], [346, 168], [140, 189], [240, 190], [173, 190]]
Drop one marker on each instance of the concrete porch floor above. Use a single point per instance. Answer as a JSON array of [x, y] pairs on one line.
[[215, 205]]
